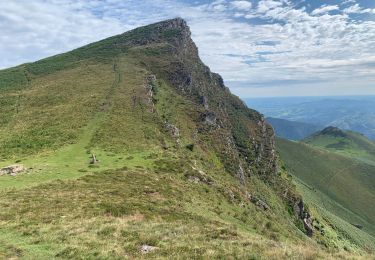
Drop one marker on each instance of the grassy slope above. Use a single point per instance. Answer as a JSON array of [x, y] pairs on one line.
[[128, 206], [334, 184], [353, 145], [333, 215], [58, 111], [112, 220]]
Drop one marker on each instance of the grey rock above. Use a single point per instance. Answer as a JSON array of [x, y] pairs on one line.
[[209, 118], [173, 129], [12, 170], [204, 102], [147, 249], [301, 213]]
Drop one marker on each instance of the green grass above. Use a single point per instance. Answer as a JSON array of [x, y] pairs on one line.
[[351, 144], [335, 220], [333, 183], [180, 193], [112, 214]]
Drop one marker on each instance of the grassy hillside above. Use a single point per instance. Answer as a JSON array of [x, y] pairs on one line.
[[347, 143], [113, 214], [292, 130], [185, 168], [337, 186]]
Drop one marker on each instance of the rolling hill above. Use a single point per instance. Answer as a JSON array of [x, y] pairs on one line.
[[347, 143], [131, 147], [355, 113], [292, 130], [336, 186]]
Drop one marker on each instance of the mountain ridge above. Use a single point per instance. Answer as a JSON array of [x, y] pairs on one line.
[[344, 142], [132, 143]]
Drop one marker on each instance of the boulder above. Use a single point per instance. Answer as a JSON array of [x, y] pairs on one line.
[[173, 129], [209, 117], [147, 249], [12, 170]]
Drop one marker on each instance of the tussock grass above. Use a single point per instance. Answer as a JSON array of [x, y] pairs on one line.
[[149, 187]]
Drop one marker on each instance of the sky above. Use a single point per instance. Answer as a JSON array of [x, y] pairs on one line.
[[260, 47]]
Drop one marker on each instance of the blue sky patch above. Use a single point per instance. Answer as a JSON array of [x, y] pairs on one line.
[[282, 47]]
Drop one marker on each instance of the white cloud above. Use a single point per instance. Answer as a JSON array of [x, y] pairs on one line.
[[356, 9], [219, 7], [31, 30], [321, 48], [242, 5], [348, 2], [237, 15], [265, 5], [324, 9], [300, 47]]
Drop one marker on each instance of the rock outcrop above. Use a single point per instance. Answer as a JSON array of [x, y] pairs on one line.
[[12, 170], [147, 249], [221, 114], [301, 212]]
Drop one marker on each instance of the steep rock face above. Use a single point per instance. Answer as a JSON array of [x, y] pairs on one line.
[[241, 136], [249, 145]]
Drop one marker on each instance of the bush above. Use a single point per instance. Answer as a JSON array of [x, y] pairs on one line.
[[190, 147]]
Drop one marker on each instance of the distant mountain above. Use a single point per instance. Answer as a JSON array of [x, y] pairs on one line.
[[292, 130], [348, 143], [354, 113], [340, 188]]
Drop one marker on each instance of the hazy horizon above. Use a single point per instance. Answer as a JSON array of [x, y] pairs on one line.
[[322, 96]]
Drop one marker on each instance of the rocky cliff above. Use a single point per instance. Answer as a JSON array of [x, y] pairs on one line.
[[241, 135]]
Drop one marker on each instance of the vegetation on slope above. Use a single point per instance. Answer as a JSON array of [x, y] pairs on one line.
[[185, 168], [347, 143], [112, 214], [339, 188]]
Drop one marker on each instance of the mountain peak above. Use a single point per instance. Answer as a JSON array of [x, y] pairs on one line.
[[176, 23], [174, 32], [333, 131]]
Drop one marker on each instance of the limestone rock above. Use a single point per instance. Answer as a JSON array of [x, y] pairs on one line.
[[12, 170], [204, 102], [147, 249], [304, 215], [209, 117], [173, 129]]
